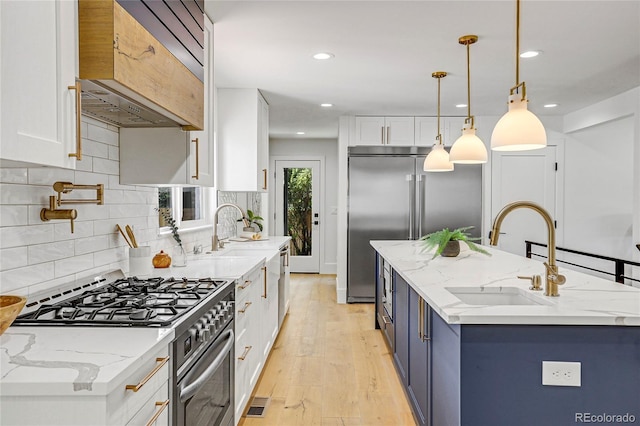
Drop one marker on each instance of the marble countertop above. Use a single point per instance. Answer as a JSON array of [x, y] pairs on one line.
[[94, 360], [74, 360], [583, 300]]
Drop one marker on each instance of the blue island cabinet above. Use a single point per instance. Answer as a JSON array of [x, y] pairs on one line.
[[491, 374], [412, 319]]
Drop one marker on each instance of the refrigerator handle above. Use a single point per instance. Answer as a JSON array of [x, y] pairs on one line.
[[412, 205], [419, 197]]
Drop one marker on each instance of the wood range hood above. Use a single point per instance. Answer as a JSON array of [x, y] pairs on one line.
[[128, 77]]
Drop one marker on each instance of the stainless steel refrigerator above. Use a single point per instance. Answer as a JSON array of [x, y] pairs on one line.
[[391, 197]]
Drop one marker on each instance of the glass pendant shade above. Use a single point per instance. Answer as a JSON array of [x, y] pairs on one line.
[[438, 160], [519, 129], [468, 149]]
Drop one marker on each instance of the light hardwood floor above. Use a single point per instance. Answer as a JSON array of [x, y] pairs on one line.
[[329, 366]]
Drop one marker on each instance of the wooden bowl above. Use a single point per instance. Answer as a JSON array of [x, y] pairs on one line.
[[10, 307]]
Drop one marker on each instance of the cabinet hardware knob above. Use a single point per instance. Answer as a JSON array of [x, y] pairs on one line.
[[162, 406]]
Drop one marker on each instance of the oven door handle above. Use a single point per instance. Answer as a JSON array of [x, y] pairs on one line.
[[190, 390]]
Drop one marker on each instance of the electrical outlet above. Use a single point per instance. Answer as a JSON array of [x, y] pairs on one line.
[[558, 373]]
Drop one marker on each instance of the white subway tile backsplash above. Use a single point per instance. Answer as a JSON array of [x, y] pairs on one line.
[[106, 166], [25, 235], [137, 197], [95, 149], [114, 153], [113, 196], [62, 230], [11, 215], [13, 175], [20, 278], [91, 244], [41, 253], [102, 134], [85, 165], [13, 258], [47, 176], [128, 210], [105, 257], [87, 178], [24, 194], [73, 265], [37, 255]]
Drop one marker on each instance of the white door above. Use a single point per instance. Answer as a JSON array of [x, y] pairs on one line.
[[523, 176], [297, 211]]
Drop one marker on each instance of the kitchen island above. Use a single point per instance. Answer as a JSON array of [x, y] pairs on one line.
[[477, 362]]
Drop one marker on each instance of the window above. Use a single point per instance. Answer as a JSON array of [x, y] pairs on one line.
[[187, 205]]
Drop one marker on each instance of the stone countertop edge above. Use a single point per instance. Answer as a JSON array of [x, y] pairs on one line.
[[583, 300], [77, 361]]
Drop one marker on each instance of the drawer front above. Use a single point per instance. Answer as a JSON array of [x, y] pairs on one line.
[[156, 407], [123, 404]]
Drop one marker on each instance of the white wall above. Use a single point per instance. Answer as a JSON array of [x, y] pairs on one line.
[[36, 255], [608, 132], [328, 149]]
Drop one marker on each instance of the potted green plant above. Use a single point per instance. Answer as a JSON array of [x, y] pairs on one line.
[[448, 242], [252, 219]]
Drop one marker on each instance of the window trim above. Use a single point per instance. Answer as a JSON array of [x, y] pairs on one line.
[[176, 206]]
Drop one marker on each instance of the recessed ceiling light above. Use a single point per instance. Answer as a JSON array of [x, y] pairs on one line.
[[461, 105], [550, 105], [530, 54], [299, 133], [326, 105], [323, 55]]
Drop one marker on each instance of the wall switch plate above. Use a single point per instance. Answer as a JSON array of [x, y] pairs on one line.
[[558, 373]]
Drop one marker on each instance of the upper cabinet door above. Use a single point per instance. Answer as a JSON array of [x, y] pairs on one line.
[[369, 131], [201, 159], [38, 53], [243, 140], [384, 131], [426, 131], [399, 131]]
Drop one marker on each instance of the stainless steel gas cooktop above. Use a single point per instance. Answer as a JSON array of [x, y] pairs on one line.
[[122, 302]]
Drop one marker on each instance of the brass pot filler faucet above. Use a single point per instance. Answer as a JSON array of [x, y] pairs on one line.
[[552, 278], [55, 201]]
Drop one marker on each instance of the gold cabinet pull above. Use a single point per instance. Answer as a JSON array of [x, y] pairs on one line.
[[382, 134], [245, 353], [420, 318], [264, 276], [162, 406], [388, 134], [78, 89], [243, 310], [264, 178], [246, 284], [136, 388], [197, 175]]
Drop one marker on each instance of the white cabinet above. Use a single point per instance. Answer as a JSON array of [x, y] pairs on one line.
[[243, 140], [120, 406], [426, 129], [384, 131], [38, 52], [248, 318], [171, 156], [269, 304]]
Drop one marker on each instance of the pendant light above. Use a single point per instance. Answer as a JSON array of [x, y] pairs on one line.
[[519, 129], [468, 149], [438, 158]]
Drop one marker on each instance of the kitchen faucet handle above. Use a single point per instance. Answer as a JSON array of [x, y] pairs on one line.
[[536, 282], [553, 275]]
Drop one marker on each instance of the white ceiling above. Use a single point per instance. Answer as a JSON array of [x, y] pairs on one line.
[[385, 52]]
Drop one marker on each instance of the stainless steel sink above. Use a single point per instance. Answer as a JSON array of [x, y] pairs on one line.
[[496, 296]]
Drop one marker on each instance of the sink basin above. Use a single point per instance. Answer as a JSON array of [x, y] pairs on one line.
[[495, 296]]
